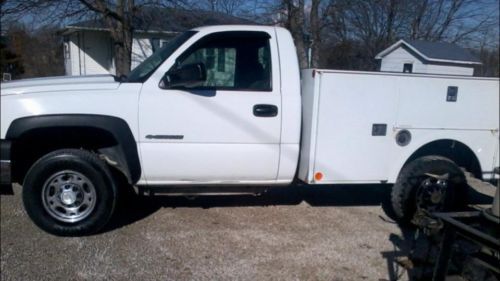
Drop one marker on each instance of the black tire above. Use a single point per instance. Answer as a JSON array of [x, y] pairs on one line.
[[416, 189], [89, 193]]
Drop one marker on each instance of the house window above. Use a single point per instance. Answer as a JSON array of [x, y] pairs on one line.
[[66, 50], [66, 47], [408, 68]]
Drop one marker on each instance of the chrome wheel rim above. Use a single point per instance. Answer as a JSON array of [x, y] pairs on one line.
[[69, 196]]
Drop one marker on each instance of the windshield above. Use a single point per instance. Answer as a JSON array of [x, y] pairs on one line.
[[147, 67]]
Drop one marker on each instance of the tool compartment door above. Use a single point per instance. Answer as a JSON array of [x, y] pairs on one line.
[[356, 114]]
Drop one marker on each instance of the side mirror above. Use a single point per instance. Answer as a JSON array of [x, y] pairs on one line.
[[188, 75]]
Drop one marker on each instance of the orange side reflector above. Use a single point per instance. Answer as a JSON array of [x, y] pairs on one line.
[[318, 176]]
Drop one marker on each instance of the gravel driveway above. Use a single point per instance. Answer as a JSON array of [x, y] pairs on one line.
[[295, 233]]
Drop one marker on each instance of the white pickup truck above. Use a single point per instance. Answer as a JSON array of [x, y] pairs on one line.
[[225, 109]]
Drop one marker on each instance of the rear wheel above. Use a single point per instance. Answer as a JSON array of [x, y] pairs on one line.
[[430, 183], [69, 192]]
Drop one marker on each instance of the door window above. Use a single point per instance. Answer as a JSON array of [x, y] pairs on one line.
[[233, 60]]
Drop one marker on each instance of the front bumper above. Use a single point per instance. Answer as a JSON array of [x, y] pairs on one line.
[[5, 164]]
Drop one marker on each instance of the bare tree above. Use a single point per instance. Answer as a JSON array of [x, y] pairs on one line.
[[314, 22], [374, 25], [350, 32], [39, 53], [10, 61], [119, 21], [454, 21], [305, 25], [295, 22], [230, 7], [118, 17]]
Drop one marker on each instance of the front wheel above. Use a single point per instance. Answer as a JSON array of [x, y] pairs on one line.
[[430, 183], [69, 192]]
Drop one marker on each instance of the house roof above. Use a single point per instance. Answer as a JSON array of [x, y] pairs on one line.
[[434, 51], [164, 20]]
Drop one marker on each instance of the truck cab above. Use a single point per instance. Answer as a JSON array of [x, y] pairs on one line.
[[217, 106]]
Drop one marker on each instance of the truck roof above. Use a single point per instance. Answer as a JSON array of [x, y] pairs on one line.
[[218, 28]]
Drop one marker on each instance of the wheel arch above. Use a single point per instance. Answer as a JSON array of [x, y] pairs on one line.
[[452, 149], [108, 135]]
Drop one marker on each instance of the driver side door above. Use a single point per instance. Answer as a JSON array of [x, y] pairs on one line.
[[225, 129]]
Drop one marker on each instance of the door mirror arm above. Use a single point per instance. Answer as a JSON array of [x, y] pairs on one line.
[[185, 76]]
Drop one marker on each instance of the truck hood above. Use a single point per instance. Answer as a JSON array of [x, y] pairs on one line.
[[58, 84]]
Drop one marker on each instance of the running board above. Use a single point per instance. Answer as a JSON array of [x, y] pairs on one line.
[[200, 190]]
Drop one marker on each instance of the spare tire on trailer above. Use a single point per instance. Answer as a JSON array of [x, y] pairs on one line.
[[432, 183]]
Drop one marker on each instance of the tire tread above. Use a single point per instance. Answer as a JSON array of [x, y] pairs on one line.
[[402, 189], [61, 158]]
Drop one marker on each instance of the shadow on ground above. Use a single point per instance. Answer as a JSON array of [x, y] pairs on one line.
[[133, 208], [6, 189]]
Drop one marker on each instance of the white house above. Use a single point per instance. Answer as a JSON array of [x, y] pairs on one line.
[[427, 57], [88, 46]]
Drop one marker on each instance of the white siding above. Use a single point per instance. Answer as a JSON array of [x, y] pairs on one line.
[[97, 52], [141, 49], [394, 61], [448, 69], [74, 55], [67, 55], [90, 53]]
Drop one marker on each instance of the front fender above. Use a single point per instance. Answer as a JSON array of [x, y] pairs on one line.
[[125, 153]]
